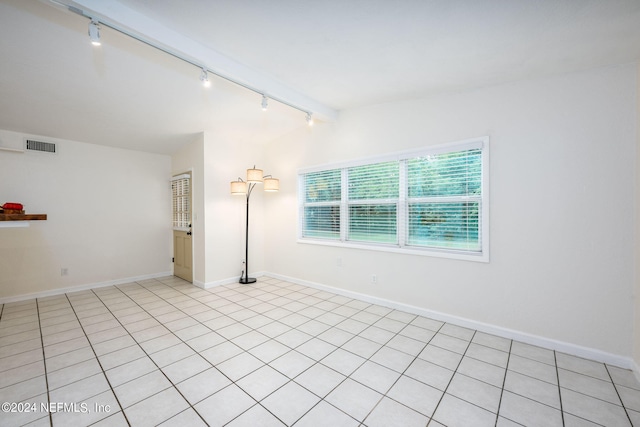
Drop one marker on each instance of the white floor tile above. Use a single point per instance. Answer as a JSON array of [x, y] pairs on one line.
[[290, 402], [262, 382], [225, 405], [141, 388], [292, 363], [354, 399], [203, 385], [320, 379], [588, 385], [533, 389], [454, 412], [256, 416], [375, 376], [239, 366], [343, 361], [186, 368], [522, 410], [188, 417], [592, 409], [416, 395], [156, 409], [269, 350], [533, 368], [389, 413], [430, 374], [476, 392], [362, 347]]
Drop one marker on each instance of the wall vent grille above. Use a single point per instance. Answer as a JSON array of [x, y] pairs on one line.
[[47, 147]]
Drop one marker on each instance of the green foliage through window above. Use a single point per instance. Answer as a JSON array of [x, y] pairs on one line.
[[433, 200]]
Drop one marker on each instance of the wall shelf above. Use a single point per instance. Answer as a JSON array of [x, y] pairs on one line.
[[19, 220]]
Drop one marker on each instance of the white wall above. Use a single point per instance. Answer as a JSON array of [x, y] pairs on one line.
[[108, 213], [562, 207]]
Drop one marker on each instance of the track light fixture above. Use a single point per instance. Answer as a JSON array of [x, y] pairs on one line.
[[204, 78], [94, 32]]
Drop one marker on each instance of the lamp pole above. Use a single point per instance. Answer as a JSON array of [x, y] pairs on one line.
[[246, 279]]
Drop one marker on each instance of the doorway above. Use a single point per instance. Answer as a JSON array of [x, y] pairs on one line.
[[182, 237]]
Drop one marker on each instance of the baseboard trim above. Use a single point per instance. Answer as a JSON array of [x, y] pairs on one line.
[[636, 370], [60, 291], [229, 281], [548, 343]]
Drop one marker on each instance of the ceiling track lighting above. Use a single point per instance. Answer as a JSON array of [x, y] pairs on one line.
[[204, 78], [94, 32]]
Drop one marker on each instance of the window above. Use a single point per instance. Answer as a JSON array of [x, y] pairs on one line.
[[432, 201], [181, 201]]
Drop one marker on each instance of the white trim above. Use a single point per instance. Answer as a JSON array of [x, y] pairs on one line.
[[548, 343], [228, 281], [78, 288], [409, 250]]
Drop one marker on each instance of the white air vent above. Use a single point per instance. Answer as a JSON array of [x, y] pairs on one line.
[[46, 147]]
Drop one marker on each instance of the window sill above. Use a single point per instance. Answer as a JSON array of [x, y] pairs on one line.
[[450, 254]]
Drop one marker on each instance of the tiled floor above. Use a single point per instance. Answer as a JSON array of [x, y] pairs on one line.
[[276, 353]]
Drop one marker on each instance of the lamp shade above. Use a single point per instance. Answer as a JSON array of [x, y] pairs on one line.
[[254, 176], [238, 188], [271, 184]]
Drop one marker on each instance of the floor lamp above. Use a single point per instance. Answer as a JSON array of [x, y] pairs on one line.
[[244, 188]]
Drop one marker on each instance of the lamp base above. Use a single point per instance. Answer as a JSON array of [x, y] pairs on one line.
[[247, 280]]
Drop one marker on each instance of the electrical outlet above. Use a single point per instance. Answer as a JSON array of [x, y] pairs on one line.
[[64, 271], [339, 262], [374, 279]]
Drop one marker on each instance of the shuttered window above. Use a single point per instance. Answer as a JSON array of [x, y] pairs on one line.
[[181, 201], [432, 201]]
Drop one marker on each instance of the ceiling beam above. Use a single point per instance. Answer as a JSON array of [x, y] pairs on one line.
[[132, 23]]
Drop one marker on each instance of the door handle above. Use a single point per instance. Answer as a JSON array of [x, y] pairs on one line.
[[188, 233]]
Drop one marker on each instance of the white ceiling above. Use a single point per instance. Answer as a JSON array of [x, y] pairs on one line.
[[331, 54]]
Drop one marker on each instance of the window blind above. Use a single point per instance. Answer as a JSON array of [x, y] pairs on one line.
[[429, 200], [373, 202], [444, 200], [321, 208], [181, 201]]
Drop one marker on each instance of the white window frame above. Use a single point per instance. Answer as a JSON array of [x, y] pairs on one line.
[[402, 219]]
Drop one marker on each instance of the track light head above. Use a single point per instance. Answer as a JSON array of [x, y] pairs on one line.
[[204, 78], [94, 32], [265, 103], [309, 119]]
